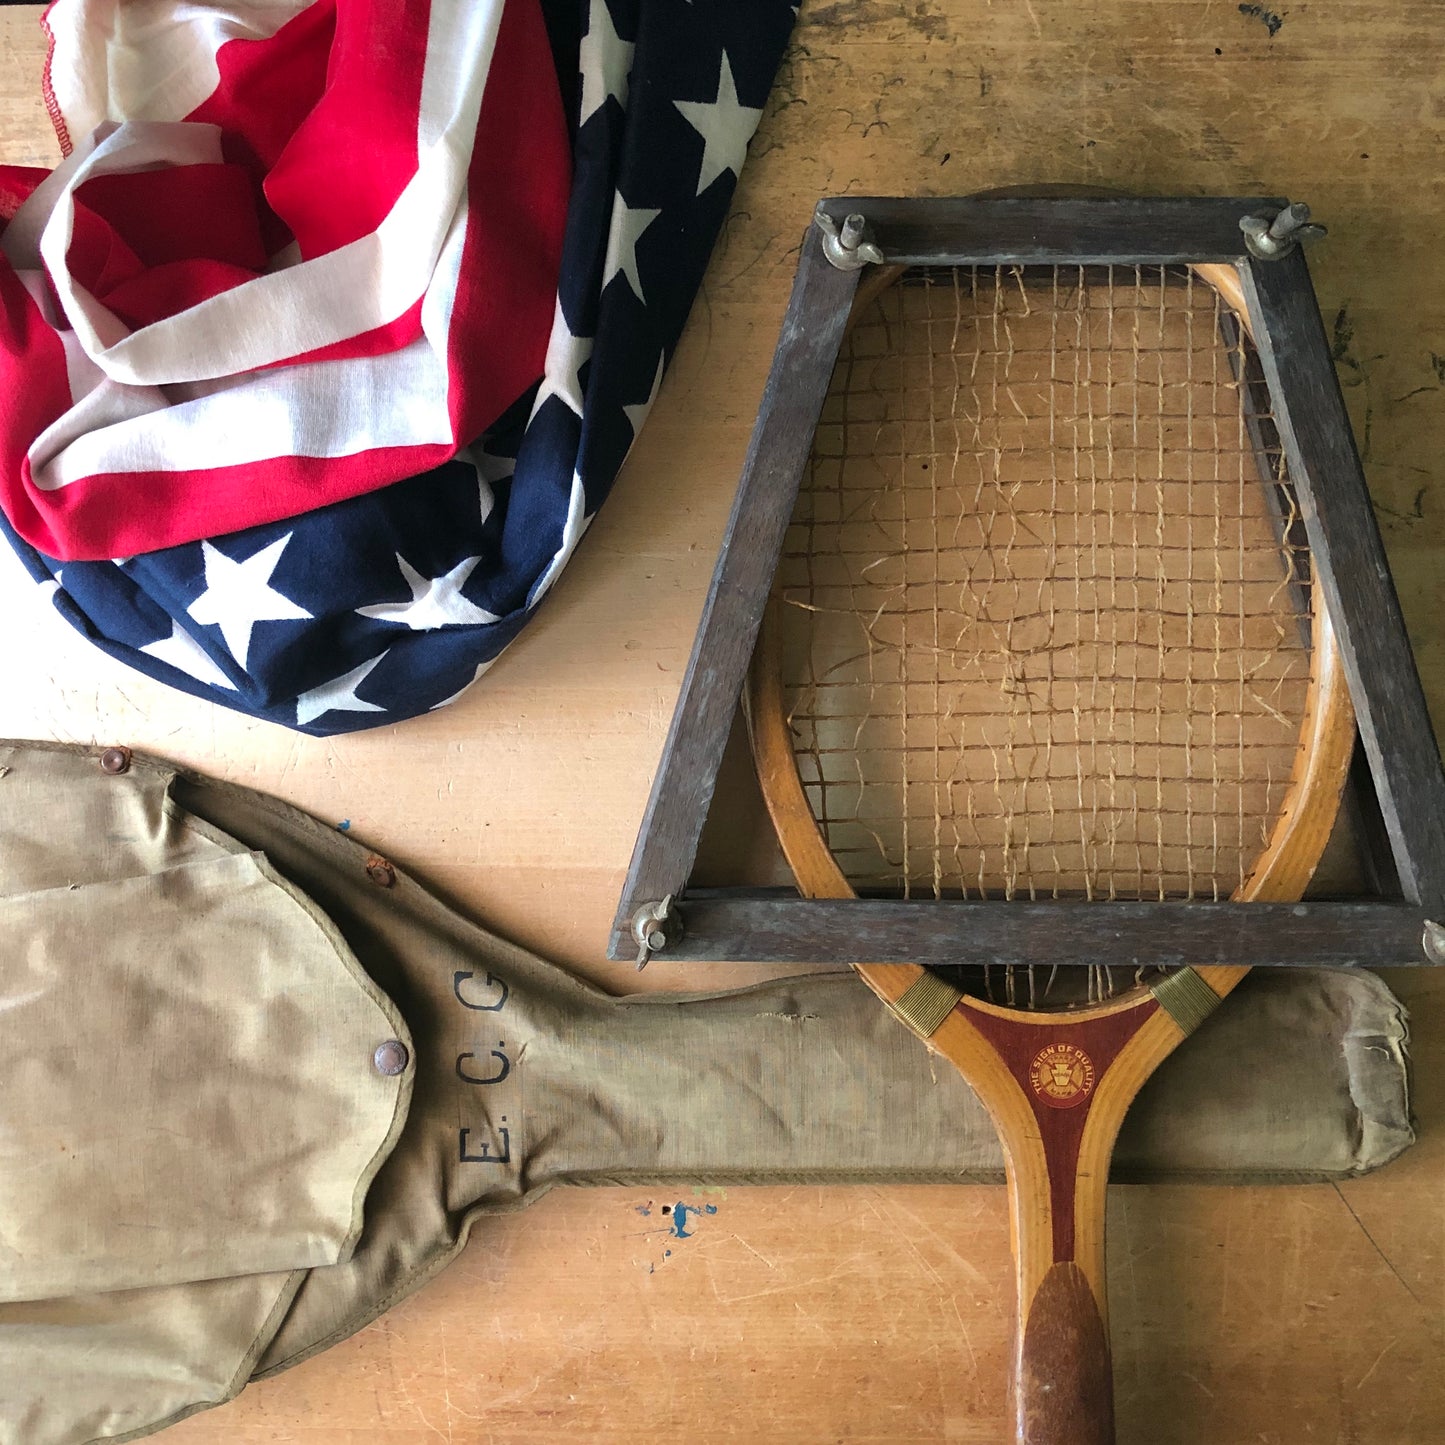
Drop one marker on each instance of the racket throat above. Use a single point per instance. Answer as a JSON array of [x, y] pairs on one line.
[[1057, 1090]]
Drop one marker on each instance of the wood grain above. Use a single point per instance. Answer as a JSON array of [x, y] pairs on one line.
[[1342, 935], [1274, 1314]]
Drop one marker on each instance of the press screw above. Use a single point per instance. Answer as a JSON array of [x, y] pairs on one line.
[[654, 926], [851, 248], [1270, 239], [1433, 941]]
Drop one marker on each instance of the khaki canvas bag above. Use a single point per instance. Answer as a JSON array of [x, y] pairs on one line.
[[255, 1091]]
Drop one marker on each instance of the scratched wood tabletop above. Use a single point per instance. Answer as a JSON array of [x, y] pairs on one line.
[[868, 1314]]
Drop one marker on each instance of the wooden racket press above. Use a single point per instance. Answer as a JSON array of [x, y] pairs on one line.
[[1057, 1082]]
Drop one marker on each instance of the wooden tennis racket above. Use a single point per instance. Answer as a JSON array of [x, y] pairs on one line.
[[1043, 628]]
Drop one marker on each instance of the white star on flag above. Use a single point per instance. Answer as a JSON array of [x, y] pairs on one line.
[[435, 602], [572, 530], [605, 60], [725, 128], [566, 356], [490, 469], [486, 497], [338, 695], [636, 414], [628, 224], [181, 651], [238, 595], [481, 668]]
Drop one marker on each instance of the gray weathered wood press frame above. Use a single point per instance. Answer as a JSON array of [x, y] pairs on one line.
[[1349, 565]]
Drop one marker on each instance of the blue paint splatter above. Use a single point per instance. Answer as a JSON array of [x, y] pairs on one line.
[[643, 1209], [344, 826], [680, 1212], [667, 1254]]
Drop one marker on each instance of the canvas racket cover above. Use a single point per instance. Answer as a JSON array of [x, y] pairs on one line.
[[524, 1078]]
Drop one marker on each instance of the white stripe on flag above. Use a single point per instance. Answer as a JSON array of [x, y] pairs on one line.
[[93, 73], [123, 423]]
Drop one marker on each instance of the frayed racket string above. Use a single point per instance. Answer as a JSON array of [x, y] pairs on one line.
[[1047, 642]]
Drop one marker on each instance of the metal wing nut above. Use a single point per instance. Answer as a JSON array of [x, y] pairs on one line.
[[1270, 237], [849, 248]]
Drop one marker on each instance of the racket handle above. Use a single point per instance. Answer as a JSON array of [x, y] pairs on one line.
[[1057, 1088], [1063, 1388]]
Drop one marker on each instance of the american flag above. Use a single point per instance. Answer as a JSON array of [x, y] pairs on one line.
[[329, 336]]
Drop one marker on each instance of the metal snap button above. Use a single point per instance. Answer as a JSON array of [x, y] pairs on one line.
[[391, 1058], [115, 760]]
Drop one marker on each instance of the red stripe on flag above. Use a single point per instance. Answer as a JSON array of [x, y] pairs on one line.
[[520, 176], [327, 107], [34, 393], [16, 184], [116, 517], [132, 251]]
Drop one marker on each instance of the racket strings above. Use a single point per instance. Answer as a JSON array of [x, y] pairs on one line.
[[1045, 607]]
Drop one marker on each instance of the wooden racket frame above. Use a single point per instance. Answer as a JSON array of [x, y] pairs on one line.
[[1057, 1159]]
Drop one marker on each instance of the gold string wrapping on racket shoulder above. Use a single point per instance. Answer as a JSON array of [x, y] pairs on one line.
[[1186, 998]]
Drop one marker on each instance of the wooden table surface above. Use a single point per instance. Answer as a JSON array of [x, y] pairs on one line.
[[867, 1314]]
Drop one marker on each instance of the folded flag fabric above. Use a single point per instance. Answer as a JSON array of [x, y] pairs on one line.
[[296, 252], [331, 332]]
